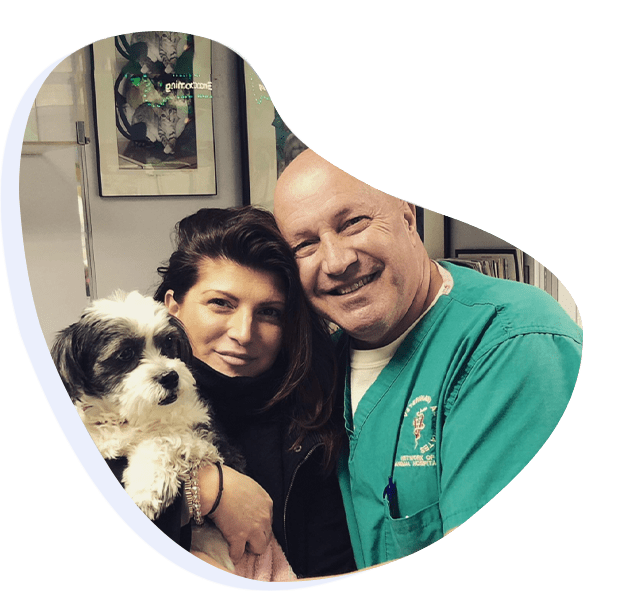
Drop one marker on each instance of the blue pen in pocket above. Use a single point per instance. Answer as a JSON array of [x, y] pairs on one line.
[[390, 492]]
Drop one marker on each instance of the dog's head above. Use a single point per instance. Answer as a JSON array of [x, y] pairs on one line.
[[127, 350]]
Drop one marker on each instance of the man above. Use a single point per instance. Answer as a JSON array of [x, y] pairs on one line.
[[455, 379]]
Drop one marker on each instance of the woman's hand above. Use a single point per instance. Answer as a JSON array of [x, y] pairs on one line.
[[244, 514]]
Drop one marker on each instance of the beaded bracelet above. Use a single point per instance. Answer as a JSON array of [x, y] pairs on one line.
[[192, 491], [220, 489]]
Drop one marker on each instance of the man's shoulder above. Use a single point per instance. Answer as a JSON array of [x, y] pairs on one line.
[[517, 307]]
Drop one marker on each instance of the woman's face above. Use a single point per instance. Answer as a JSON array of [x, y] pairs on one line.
[[233, 316]]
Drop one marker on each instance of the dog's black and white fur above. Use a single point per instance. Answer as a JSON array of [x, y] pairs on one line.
[[124, 366]]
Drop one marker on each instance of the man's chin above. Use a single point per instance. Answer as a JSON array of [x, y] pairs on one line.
[[365, 335], [367, 331], [362, 319]]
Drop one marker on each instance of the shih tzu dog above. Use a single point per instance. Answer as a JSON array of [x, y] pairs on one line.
[[124, 366]]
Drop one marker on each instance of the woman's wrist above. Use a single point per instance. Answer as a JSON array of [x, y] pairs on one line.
[[219, 495], [210, 480]]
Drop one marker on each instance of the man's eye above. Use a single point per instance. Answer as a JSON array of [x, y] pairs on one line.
[[354, 221], [304, 248]]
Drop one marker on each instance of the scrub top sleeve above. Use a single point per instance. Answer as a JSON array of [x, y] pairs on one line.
[[500, 414]]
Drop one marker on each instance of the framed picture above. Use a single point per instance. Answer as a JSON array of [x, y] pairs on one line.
[[153, 113], [269, 145], [501, 263], [287, 145], [258, 145]]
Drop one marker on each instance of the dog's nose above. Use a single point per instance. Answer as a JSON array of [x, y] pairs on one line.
[[169, 380]]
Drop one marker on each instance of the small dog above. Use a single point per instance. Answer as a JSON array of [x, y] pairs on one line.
[[124, 366]]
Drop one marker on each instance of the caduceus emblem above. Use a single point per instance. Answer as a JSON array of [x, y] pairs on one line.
[[418, 425]]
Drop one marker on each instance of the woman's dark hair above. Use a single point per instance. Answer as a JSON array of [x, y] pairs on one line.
[[249, 236]]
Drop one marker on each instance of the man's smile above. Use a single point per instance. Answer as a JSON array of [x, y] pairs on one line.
[[350, 288]]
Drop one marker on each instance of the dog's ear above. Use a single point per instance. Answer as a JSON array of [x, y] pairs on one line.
[[184, 348], [67, 352]]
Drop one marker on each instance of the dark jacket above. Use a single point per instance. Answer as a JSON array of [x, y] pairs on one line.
[[308, 516]]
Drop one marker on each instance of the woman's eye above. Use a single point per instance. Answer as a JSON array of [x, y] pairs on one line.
[[220, 302], [271, 313]]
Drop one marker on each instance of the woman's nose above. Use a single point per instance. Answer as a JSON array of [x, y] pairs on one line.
[[337, 256], [240, 328]]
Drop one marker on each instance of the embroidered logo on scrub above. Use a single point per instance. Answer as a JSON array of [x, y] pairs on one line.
[[418, 425], [418, 431]]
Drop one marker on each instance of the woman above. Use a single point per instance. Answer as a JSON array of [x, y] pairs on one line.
[[263, 361]]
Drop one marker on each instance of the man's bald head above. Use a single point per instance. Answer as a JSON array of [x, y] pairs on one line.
[[361, 262]]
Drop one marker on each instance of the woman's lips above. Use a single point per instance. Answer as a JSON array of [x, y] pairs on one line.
[[235, 358]]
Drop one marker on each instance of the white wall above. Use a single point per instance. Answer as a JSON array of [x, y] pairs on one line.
[[52, 240], [49, 197]]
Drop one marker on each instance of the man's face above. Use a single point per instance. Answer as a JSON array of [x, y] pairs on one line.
[[355, 247]]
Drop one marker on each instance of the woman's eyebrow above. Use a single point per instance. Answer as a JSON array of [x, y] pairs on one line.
[[281, 302], [273, 303], [220, 292]]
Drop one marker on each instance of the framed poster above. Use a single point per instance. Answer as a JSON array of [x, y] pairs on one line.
[[269, 146], [287, 145], [259, 144], [153, 113]]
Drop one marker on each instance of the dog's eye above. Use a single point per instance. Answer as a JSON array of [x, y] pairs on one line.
[[169, 347], [126, 354]]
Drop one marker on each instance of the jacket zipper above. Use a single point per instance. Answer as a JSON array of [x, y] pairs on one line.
[[303, 461]]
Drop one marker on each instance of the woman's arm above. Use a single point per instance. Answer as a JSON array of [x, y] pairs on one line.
[[245, 512]]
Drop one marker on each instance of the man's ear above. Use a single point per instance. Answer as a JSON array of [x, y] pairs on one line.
[[410, 217], [171, 305]]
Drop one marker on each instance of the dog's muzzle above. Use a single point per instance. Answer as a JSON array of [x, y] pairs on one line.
[[169, 381]]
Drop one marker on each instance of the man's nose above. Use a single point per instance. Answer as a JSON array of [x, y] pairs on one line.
[[240, 328], [337, 255]]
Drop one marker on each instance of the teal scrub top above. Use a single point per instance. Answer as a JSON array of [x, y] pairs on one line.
[[470, 396]]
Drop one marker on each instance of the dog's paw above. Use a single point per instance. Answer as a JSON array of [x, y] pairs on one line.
[[149, 503], [151, 489]]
